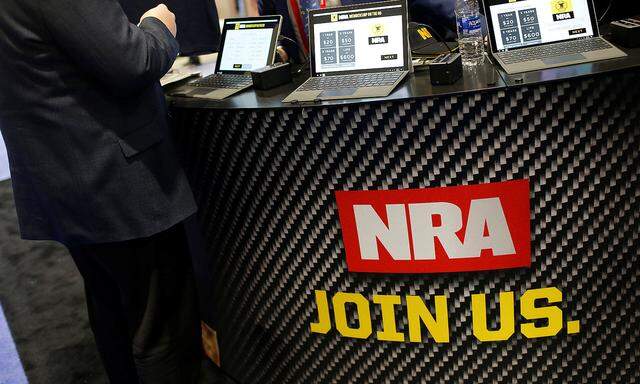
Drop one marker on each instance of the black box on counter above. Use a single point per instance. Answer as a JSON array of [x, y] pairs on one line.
[[626, 32], [445, 69], [271, 76]]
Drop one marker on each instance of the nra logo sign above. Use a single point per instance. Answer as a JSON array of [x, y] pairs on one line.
[[448, 229]]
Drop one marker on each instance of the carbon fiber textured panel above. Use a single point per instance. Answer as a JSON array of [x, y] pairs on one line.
[[264, 181]]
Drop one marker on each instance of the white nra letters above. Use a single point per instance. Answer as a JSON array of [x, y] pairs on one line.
[[486, 228]]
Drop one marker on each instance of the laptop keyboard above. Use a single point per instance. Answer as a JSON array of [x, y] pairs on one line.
[[358, 80], [553, 50], [223, 80]]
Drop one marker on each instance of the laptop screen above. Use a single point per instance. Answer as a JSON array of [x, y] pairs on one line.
[[517, 24], [365, 38], [247, 43]]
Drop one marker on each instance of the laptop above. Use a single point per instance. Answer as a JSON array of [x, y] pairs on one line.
[[246, 44], [528, 35], [356, 51]]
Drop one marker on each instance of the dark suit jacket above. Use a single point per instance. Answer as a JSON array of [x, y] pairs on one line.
[[84, 121], [198, 25]]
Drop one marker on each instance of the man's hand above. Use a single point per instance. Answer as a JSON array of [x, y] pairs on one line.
[[162, 13]]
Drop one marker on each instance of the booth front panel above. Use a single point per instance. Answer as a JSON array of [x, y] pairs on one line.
[[286, 307]]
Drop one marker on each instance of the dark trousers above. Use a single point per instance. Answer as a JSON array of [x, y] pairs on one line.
[[142, 308]]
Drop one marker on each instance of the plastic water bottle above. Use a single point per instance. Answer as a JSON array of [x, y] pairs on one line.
[[470, 39]]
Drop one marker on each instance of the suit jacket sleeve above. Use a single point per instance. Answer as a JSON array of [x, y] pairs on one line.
[[101, 40]]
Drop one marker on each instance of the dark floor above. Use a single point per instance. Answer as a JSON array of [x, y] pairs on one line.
[[42, 296]]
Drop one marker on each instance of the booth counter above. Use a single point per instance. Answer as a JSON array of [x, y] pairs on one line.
[[275, 282]]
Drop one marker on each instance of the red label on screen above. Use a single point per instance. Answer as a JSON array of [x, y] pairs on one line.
[[447, 229]]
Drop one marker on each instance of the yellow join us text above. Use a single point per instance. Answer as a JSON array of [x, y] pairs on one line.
[[412, 318]]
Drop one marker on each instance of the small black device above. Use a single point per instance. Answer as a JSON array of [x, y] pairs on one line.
[[626, 32], [271, 76], [445, 69]]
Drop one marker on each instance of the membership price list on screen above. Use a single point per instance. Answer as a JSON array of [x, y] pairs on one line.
[[358, 39], [527, 22]]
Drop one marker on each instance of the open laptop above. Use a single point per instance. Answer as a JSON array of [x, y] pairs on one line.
[[356, 51], [246, 43], [528, 35]]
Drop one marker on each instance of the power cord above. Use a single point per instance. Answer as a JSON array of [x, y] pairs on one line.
[[604, 14], [305, 64]]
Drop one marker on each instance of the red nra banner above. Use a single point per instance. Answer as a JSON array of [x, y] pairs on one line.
[[446, 229]]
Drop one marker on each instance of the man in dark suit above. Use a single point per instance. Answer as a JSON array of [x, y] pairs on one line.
[[84, 121]]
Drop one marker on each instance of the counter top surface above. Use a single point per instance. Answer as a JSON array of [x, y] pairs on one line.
[[417, 85]]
